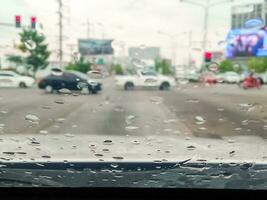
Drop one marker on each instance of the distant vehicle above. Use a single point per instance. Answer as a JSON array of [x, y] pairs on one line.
[[251, 82], [74, 81], [145, 78], [231, 77], [12, 79]]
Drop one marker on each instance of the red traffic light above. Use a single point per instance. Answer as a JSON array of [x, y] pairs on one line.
[[18, 18], [18, 21], [33, 19], [33, 22], [208, 55]]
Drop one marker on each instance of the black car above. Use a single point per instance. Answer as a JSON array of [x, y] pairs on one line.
[[73, 81]]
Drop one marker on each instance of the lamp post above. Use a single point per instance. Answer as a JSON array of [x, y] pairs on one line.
[[206, 7], [173, 44]]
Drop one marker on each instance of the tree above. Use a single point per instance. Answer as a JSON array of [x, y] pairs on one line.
[[17, 60], [81, 65], [117, 69], [163, 67], [258, 65], [226, 66], [34, 44]]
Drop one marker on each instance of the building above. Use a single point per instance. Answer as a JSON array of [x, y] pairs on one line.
[[242, 13], [146, 53]]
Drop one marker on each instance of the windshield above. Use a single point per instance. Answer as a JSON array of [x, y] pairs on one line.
[[178, 98]]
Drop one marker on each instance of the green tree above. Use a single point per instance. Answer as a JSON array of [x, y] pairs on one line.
[[34, 44], [117, 69], [163, 67], [258, 65], [17, 60], [81, 65], [226, 66]]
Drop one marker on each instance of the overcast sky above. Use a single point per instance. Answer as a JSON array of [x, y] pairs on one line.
[[135, 22]]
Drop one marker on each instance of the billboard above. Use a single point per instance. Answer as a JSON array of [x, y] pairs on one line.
[[95, 47], [250, 41]]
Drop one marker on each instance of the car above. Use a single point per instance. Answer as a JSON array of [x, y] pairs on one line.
[[73, 81], [231, 77], [145, 78], [12, 79]]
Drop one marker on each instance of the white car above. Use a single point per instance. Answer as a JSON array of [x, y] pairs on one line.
[[145, 79], [12, 79], [231, 77]]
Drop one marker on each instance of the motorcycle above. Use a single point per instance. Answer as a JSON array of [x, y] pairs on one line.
[[251, 82]]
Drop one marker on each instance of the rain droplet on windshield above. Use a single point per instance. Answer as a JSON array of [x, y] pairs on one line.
[[119, 109], [131, 128], [156, 100], [129, 119], [32, 118], [191, 147], [59, 101], [44, 132], [64, 91], [108, 142], [118, 158], [200, 120]]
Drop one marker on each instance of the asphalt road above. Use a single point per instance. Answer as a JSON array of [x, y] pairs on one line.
[[191, 110]]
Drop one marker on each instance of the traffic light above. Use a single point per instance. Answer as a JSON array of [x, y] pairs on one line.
[[33, 22], [208, 57], [18, 21]]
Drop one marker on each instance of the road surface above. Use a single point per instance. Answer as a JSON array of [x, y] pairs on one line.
[[191, 110]]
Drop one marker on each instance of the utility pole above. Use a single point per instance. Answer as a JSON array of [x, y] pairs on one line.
[[60, 32], [88, 24]]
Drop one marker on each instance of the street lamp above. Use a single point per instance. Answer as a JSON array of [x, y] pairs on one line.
[[206, 6], [173, 44]]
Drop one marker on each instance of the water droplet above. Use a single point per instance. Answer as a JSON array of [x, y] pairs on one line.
[[129, 119], [60, 120], [220, 109], [30, 44], [99, 155], [44, 132], [183, 81], [64, 91], [75, 94], [200, 120], [119, 109], [238, 129], [135, 142], [46, 156], [191, 147], [46, 107], [32, 118], [108, 142], [74, 126], [192, 101], [114, 165], [4, 111], [170, 121], [69, 135], [131, 128], [232, 152], [156, 100], [105, 150], [231, 141], [202, 128], [59, 101], [118, 158]]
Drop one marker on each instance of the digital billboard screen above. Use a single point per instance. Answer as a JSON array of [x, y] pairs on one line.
[[95, 47], [247, 43]]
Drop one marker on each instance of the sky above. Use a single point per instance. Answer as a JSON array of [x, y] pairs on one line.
[[133, 22]]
